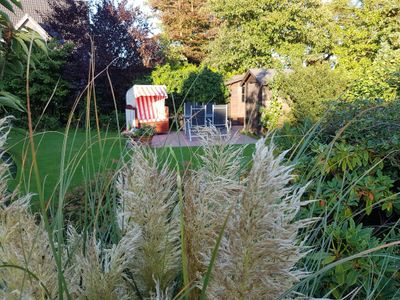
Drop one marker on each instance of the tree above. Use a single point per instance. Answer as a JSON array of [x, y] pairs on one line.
[[358, 39], [265, 33], [68, 21], [359, 32], [120, 34], [187, 23]]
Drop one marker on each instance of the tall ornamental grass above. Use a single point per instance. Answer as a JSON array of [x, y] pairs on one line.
[[256, 257]]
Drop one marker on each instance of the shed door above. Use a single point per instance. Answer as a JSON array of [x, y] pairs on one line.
[[252, 107]]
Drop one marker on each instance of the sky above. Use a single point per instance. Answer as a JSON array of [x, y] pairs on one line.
[[154, 22]]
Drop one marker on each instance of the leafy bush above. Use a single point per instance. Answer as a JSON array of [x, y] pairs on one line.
[[310, 89], [190, 83], [48, 89], [352, 159], [145, 130], [14, 45], [112, 121], [348, 239], [380, 80], [270, 115]]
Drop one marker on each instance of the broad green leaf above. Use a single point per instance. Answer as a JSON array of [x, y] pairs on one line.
[[7, 5], [23, 45], [9, 100], [41, 44], [18, 3], [340, 274], [329, 259]]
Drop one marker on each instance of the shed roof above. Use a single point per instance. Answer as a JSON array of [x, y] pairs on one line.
[[234, 79], [263, 76]]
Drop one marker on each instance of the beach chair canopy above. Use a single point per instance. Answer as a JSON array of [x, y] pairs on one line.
[[150, 102]]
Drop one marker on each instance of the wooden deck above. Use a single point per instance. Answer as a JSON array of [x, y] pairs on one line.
[[179, 139]]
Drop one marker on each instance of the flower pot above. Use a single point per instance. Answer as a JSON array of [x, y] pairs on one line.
[[145, 140]]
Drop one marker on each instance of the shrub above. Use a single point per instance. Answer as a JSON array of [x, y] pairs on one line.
[[271, 115], [349, 239], [352, 158], [310, 89], [190, 83], [47, 88], [111, 121]]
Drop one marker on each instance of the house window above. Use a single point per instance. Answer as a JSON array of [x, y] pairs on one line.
[[244, 93]]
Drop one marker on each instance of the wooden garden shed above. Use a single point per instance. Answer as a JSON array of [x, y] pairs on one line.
[[248, 92]]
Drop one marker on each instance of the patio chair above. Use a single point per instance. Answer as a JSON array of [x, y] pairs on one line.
[[196, 121], [187, 106], [220, 119], [209, 113]]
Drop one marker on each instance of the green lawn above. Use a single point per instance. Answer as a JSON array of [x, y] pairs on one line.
[[84, 157], [82, 154]]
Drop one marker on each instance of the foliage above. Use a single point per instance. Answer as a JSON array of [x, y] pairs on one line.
[[112, 121], [359, 32], [347, 239], [147, 130], [380, 79], [48, 89], [86, 195], [121, 39], [271, 115], [15, 48], [310, 90], [191, 83], [187, 23], [8, 4], [358, 40], [144, 131], [373, 123], [353, 158], [264, 33], [254, 34]]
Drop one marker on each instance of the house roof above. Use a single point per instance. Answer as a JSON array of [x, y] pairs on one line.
[[28, 22], [34, 8]]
